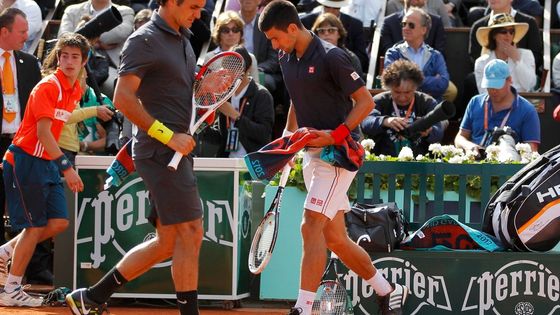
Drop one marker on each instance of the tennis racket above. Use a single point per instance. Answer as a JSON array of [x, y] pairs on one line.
[[214, 84], [265, 236], [332, 297]]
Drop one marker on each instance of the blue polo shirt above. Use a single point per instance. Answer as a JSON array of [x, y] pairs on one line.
[[320, 84], [523, 119]]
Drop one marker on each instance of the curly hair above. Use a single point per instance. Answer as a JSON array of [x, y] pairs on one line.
[[224, 19], [399, 71], [329, 19]]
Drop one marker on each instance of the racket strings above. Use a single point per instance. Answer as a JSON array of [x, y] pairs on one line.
[[330, 299], [230, 68], [262, 244]]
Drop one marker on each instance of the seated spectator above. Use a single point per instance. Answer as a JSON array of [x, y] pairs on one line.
[[529, 7], [142, 17], [416, 24], [246, 122], [533, 41], [499, 39], [98, 61], [556, 71], [33, 16], [329, 28], [433, 7], [397, 108], [227, 33], [364, 10], [391, 31], [501, 106], [355, 41], [112, 41]]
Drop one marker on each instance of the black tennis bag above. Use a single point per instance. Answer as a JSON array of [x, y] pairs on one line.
[[525, 212]]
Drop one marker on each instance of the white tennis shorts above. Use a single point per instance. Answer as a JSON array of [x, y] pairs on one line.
[[327, 186]]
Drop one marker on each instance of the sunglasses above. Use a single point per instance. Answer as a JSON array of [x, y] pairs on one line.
[[226, 30], [510, 31], [325, 30], [409, 24]]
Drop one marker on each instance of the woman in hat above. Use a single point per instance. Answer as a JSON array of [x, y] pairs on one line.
[[499, 41]]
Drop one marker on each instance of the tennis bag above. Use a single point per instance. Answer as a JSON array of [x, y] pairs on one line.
[[376, 228], [525, 212]]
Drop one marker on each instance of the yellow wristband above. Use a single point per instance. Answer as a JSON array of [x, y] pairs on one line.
[[160, 132]]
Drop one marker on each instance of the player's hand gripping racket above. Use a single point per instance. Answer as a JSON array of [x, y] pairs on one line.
[[332, 297], [214, 84], [265, 236]]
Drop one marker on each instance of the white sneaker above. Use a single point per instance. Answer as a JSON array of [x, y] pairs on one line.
[[19, 298], [3, 271]]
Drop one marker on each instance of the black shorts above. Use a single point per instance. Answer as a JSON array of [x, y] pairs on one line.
[[173, 194]]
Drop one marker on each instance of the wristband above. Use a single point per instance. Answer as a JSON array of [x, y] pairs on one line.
[[286, 132], [160, 132], [340, 133], [63, 163]]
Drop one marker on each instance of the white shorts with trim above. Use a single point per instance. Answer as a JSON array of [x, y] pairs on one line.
[[327, 186]]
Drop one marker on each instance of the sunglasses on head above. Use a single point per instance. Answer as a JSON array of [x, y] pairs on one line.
[[225, 30], [409, 24], [325, 30], [511, 31]]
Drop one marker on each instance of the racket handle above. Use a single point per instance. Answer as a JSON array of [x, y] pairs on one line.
[[285, 175], [174, 163]]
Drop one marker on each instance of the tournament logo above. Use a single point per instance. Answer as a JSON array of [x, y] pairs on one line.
[[516, 289], [428, 292]]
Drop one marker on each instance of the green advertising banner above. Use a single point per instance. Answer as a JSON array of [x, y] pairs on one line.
[[111, 222]]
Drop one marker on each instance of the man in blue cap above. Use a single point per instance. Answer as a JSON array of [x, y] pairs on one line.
[[501, 106]]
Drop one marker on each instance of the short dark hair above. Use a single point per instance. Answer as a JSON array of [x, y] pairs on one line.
[[163, 2], [492, 45], [8, 16], [279, 14], [402, 70], [240, 49]]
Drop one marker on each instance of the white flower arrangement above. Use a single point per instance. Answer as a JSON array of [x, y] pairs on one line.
[[406, 154], [368, 144]]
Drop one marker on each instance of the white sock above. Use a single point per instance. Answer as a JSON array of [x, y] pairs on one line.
[[381, 286], [6, 251], [12, 283], [305, 301]]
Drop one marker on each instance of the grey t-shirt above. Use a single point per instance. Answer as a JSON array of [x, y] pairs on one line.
[[165, 62]]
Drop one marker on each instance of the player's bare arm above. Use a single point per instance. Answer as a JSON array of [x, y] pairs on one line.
[[128, 103], [51, 146]]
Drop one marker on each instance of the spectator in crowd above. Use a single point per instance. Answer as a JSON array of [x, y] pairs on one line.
[[433, 7], [364, 10], [556, 71], [329, 28], [398, 108], [111, 41], [355, 41], [499, 39], [98, 61], [142, 17], [256, 43], [19, 68], [392, 30], [33, 184], [227, 33], [416, 24], [33, 16], [533, 41], [246, 121], [529, 7], [501, 106]]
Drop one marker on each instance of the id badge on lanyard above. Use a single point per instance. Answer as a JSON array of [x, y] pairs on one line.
[[232, 142], [487, 131], [10, 103]]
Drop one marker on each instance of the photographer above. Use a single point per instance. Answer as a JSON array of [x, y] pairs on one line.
[[398, 108], [501, 106]]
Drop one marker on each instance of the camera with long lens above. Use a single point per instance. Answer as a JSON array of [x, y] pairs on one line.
[[505, 138], [113, 128]]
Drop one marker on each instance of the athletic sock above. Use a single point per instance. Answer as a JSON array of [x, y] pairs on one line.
[[12, 283], [102, 290], [305, 301], [380, 285], [187, 302], [6, 251]]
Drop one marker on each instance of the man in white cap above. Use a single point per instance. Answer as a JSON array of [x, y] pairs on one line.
[[355, 41], [501, 106]]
